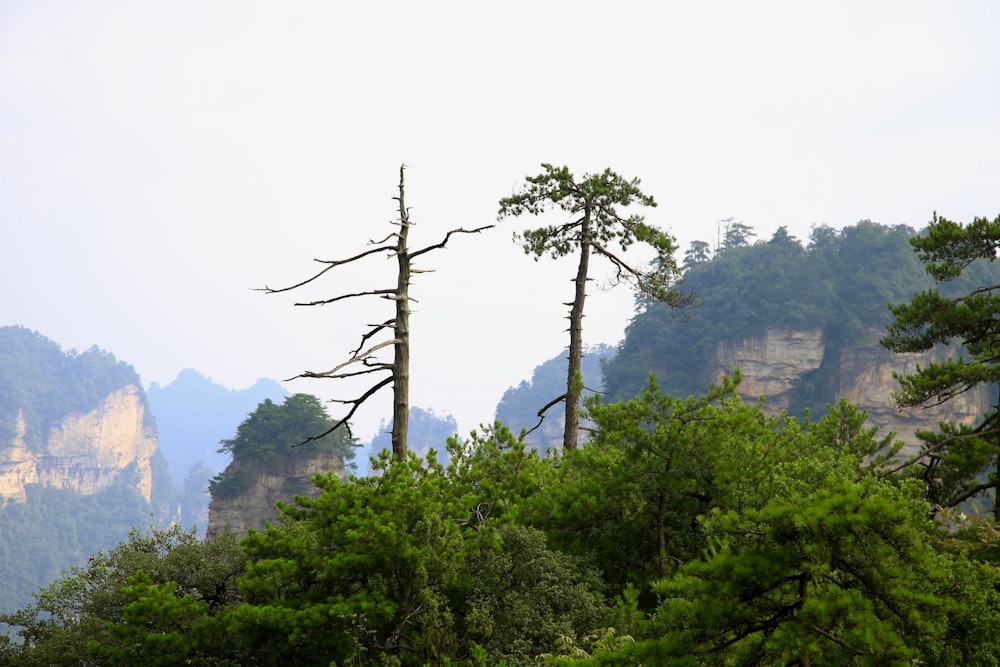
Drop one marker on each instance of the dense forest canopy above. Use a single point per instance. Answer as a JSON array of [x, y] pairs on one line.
[[838, 281], [687, 532]]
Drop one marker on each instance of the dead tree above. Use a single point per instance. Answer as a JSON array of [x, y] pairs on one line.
[[364, 356]]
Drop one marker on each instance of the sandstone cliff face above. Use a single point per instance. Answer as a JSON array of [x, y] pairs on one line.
[[266, 483], [775, 364], [86, 453]]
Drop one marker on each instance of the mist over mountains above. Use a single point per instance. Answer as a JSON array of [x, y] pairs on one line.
[[194, 414]]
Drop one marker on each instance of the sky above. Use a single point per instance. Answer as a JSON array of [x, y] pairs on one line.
[[159, 161]]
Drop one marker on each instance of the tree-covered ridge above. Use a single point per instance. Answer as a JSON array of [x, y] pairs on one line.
[[46, 383], [840, 282]]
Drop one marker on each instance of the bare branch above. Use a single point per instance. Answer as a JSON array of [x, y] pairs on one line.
[[361, 356], [391, 235], [541, 413], [331, 263], [375, 328], [936, 448], [448, 236], [836, 640], [619, 263], [373, 368], [344, 422], [382, 292]]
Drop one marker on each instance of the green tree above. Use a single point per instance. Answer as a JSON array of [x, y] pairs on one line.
[[697, 252], [77, 609], [958, 457], [365, 568], [831, 570], [808, 556], [593, 202], [735, 235], [273, 428]]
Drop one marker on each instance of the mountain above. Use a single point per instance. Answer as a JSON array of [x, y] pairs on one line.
[[802, 322], [194, 414], [79, 460]]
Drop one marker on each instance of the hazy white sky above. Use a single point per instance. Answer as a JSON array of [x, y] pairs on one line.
[[159, 160]]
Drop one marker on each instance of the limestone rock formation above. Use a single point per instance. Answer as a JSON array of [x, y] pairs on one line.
[[85, 453], [262, 483], [776, 364], [772, 364]]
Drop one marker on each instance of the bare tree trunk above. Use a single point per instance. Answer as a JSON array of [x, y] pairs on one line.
[[401, 332], [571, 433], [364, 356], [661, 533]]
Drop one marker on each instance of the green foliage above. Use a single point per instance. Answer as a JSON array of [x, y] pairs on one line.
[[958, 456], [367, 567], [596, 198], [274, 428], [272, 431], [75, 610], [731, 538], [524, 595], [161, 627], [836, 573]]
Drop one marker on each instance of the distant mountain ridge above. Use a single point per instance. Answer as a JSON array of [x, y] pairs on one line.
[[194, 414]]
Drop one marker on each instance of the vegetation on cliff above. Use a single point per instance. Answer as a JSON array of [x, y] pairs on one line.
[[279, 432], [54, 528], [45, 383], [840, 283]]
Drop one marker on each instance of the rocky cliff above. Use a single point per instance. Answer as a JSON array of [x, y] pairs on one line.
[[257, 485], [778, 364], [86, 453]]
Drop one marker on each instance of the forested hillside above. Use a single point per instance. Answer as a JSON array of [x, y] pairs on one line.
[[45, 383], [70, 507], [838, 282]]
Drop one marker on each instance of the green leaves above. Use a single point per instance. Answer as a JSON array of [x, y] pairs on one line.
[[274, 428], [596, 199], [969, 324]]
